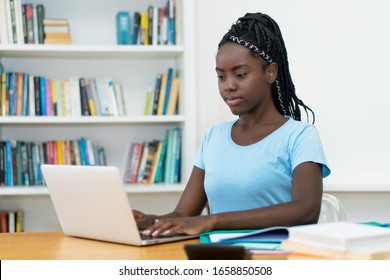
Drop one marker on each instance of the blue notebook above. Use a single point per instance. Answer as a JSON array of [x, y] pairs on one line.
[[266, 235]]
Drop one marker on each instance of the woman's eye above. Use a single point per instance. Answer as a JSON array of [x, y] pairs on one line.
[[241, 75]]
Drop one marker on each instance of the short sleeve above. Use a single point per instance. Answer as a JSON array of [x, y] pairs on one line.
[[308, 147]]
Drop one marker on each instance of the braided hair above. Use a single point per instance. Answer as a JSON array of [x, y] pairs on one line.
[[261, 34]]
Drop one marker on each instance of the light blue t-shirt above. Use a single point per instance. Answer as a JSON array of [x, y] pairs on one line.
[[258, 175]]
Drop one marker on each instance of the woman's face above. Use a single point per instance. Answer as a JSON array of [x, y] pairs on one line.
[[244, 80]]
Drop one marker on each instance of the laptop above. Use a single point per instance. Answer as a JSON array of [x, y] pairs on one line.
[[91, 202]]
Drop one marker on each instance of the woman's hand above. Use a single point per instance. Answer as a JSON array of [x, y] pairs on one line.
[[185, 225], [143, 220]]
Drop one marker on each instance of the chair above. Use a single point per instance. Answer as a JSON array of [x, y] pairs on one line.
[[332, 210]]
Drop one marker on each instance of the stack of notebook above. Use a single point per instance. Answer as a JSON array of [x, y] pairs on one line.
[[338, 240]]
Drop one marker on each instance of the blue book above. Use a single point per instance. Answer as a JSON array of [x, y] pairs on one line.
[[25, 103], [168, 90], [135, 25], [42, 92], [11, 79], [160, 165], [83, 151], [8, 164], [171, 22], [177, 156], [123, 28]]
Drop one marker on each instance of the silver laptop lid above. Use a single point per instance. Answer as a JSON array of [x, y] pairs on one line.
[[91, 202]]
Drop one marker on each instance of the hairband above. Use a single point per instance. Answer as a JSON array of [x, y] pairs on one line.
[[252, 47]]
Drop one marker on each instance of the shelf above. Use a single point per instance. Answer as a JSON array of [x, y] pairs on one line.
[[14, 120], [357, 188], [89, 51], [139, 189]]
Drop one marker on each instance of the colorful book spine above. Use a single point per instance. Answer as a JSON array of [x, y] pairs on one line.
[[123, 28], [40, 27], [42, 93]]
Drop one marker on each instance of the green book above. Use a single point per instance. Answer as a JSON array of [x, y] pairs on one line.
[[40, 18]]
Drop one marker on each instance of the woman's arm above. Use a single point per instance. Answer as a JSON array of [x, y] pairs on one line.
[[304, 207], [192, 202]]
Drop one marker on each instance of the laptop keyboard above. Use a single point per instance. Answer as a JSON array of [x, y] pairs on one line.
[[146, 237]]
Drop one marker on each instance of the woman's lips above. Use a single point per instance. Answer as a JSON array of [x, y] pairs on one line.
[[233, 101]]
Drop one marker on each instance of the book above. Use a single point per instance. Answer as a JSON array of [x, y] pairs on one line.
[[274, 234], [129, 163], [341, 236], [123, 28], [161, 97], [150, 159], [168, 90], [156, 94], [138, 149], [30, 23], [11, 221], [156, 162], [158, 177], [304, 251], [144, 28], [171, 22], [142, 163], [149, 102], [2, 163], [90, 98], [85, 110], [31, 96], [119, 99], [42, 92], [40, 17], [3, 91], [4, 221], [3, 23], [55, 22], [19, 21], [176, 156], [58, 38], [135, 38], [173, 97]]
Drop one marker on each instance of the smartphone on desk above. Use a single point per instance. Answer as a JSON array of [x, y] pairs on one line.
[[216, 252]]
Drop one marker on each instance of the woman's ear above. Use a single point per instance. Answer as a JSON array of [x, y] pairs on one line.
[[272, 72]]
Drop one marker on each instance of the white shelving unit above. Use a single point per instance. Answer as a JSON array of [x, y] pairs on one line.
[[94, 53]]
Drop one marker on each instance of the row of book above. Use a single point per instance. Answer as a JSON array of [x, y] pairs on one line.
[[25, 23], [163, 99], [155, 26], [22, 94], [157, 161], [11, 221], [20, 160]]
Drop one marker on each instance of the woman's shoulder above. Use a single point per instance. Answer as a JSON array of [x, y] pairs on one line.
[[218, 130], [222, 126], [299, 125]]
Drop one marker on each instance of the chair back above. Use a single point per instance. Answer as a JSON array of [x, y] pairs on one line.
[[332, 209]]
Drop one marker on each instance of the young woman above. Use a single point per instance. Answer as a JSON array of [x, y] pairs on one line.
[[263, 169]]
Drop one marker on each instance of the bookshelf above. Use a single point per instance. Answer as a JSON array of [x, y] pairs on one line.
[[94, 53]]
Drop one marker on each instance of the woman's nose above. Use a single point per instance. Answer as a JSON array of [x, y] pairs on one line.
[[229, 85]]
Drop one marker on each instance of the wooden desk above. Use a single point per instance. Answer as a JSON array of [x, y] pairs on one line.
[[55, 245]]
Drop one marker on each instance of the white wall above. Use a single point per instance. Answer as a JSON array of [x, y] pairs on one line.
[[339, 59]]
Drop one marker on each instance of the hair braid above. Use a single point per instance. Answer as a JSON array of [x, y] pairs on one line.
[[266, 40]]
